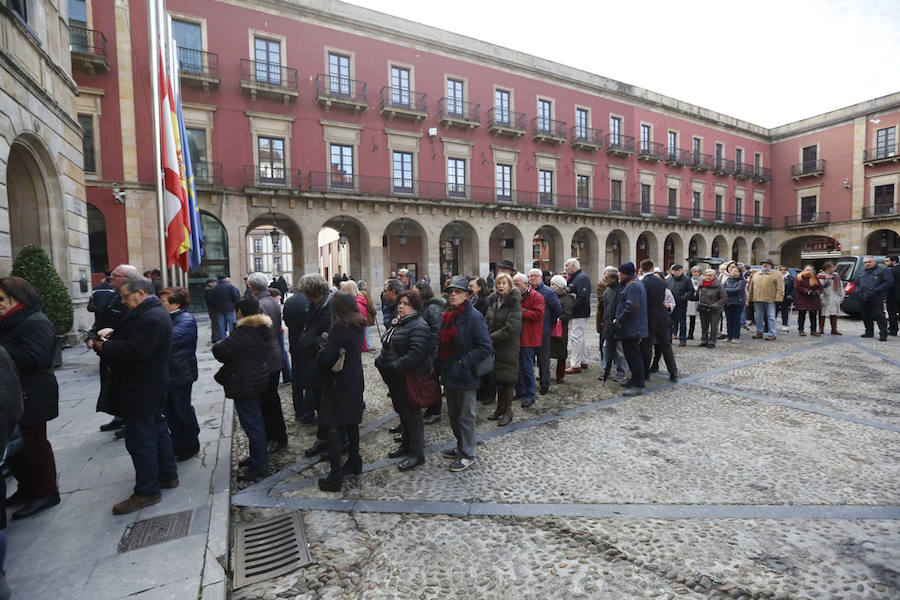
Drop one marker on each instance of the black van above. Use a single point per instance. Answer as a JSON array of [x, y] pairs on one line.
[[849, 268]]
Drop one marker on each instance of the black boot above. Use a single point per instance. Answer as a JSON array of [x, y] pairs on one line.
[[506, 400], [335, 479]]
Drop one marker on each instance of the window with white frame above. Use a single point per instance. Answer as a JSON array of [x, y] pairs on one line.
[[267, 54], [456, 176], [672, 144], [696, 202], [341, 166], [738, 209], [720, 154], [581, 123], [615, 195], [339, 74], [543, 116], [402, 171], [400, 91], [258, 264], [583, 190], [545, 186], [738, 159], [501, 107], [455, 98], [886, 142], [615, 131], [645, 138], [257, 246], [503, 180], [271, 160]]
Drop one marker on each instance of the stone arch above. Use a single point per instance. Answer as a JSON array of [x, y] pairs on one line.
[[618, 248], [458, 250], [719, 247], [883, 242], [506, 242], [586, 248], [673, 251], [547, 250], [405, 244], [739, 250], [356, 238], [646, 247], [289, 227], [758, 251], [215, 259], [697, 246]]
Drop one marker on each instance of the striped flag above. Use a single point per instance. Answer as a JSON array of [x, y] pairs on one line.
[[195, 241], [175, 192]]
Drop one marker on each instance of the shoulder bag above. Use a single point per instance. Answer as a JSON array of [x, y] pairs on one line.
[[423, 390]]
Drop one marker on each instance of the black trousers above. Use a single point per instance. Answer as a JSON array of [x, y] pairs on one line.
[[662, 341], [543, 359], [893, 307], [873, 310], [270, 406], [632, 349]]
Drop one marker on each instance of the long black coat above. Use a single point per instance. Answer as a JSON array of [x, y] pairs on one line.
[[559, 345], [138, 355], [272, 308], [294, 313], [657, 315], [409, 348], [30, 339], [318, 321], [342, 397], [505, 326], [244, 374]]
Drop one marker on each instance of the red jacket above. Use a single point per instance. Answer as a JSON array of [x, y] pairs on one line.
[[532, 319]]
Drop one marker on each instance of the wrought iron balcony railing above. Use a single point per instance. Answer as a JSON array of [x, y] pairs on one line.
[[616, 143], [883, 152], [723, 166], [678, 157], [742, 170], [271, 176], [879, 210], [269, 79], [653, 151], [506, 122], [208, 173], [762, 174], [586, 138], [809, 168], [807, 218], [334, 90], [548, 130], [403, 102], [702, 162], [455, 112], [198, 62], [88, 48]]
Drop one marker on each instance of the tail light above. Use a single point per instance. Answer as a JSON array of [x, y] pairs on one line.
[[849, 287]]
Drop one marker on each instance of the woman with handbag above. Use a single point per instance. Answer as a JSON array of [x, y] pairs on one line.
[[405, 365], [807, 292], [711, 299], [832, 296], [559, 337], [244, 375], [339, 362], [504, 321]]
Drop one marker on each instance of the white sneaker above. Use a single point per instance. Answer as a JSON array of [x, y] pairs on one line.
[[785, 328], [462, 463], [735, 341]]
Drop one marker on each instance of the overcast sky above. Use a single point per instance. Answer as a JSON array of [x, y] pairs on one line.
[[768, 62]]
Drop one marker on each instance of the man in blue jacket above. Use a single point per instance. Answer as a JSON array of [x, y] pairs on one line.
[[630, 325], [580, 286], [873, 285], [552, 310]]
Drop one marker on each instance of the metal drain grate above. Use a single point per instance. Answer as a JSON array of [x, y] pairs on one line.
[[156, 530], [269, 548]]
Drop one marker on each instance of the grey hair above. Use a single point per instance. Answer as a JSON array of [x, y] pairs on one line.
[[257, 281], [139, 283], [520, 277], [393, 285], [538, 271], [313, 284], [574, 261], [129, 271], [612, 270], [697, 269]]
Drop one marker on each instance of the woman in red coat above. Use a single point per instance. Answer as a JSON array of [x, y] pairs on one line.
[[807, 292]]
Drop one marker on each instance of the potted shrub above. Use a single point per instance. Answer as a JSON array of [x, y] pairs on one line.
[[33, 265]]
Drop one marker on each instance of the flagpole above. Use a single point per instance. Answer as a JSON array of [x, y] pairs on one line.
[[157, 150]]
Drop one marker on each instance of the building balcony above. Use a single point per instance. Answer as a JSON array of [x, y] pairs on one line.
[[880, 155], [456, 113], [702, 162], [586, 138], [619, 145], [742, 170], [880, 211], [808, 219], [207, 173], [341, 92], [88, 49], [262, 178], [651, 152], [506, 122], [269, 80], [809, 168], [723, 167], [677, 157], [402, 103], [548, 131], [762, 174], [198, 68]]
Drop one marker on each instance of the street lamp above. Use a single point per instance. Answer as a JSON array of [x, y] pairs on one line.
[[455, 237], [402, 235], [342, 237]]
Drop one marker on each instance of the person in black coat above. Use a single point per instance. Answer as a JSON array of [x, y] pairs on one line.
[[407, 347], [659, 324], [244, 375], [276, 431], [580, 287], [182, 374], [29, 338], [341, 407], [785, 305], [433, 311], [893, 295], [221, 300], [294, 315], [682, 289], [138, 354], [318, 319]]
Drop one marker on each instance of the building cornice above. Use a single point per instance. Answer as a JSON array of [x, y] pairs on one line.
[[7, 62]]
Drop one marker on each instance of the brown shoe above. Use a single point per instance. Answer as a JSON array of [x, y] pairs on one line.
[[770, 338], [168, 485], [758, 336], [815, 333], [585, 366], [135, 502], [573, 371]]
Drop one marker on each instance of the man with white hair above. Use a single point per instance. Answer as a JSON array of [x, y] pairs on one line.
[[530, 339], [580, 286]]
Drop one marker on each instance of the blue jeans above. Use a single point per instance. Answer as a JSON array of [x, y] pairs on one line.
[[225, 323], [525, 385], [286, 375], [148, 442], [251, 421], [182, 420], [733, 314], [762, 311], [679, 322]]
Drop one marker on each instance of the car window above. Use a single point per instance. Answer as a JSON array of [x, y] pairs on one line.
[[844, 268]]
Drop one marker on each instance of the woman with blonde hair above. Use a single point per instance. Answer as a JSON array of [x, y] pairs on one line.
[[350, 287]]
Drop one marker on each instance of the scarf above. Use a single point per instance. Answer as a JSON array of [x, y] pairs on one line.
[[706, 283], [447, 334], [811, 280], [12, 311]]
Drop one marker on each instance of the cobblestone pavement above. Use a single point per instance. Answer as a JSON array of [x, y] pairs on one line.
[[770, 470]]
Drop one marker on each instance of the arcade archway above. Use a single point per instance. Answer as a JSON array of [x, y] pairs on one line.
[[617, 248], [506, 243], [585, 247], [883, 242], [458, 250], [406, 247], [547, 249], [673, 251]]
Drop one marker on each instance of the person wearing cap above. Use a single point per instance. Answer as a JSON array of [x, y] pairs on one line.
[[464, 342], [507, 267], [630, 325], [765, 289]]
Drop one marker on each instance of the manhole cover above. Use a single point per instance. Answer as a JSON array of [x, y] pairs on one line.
[[156, 530], [269, 548]]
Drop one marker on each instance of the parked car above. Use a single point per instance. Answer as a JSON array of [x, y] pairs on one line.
[[849, 268]]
